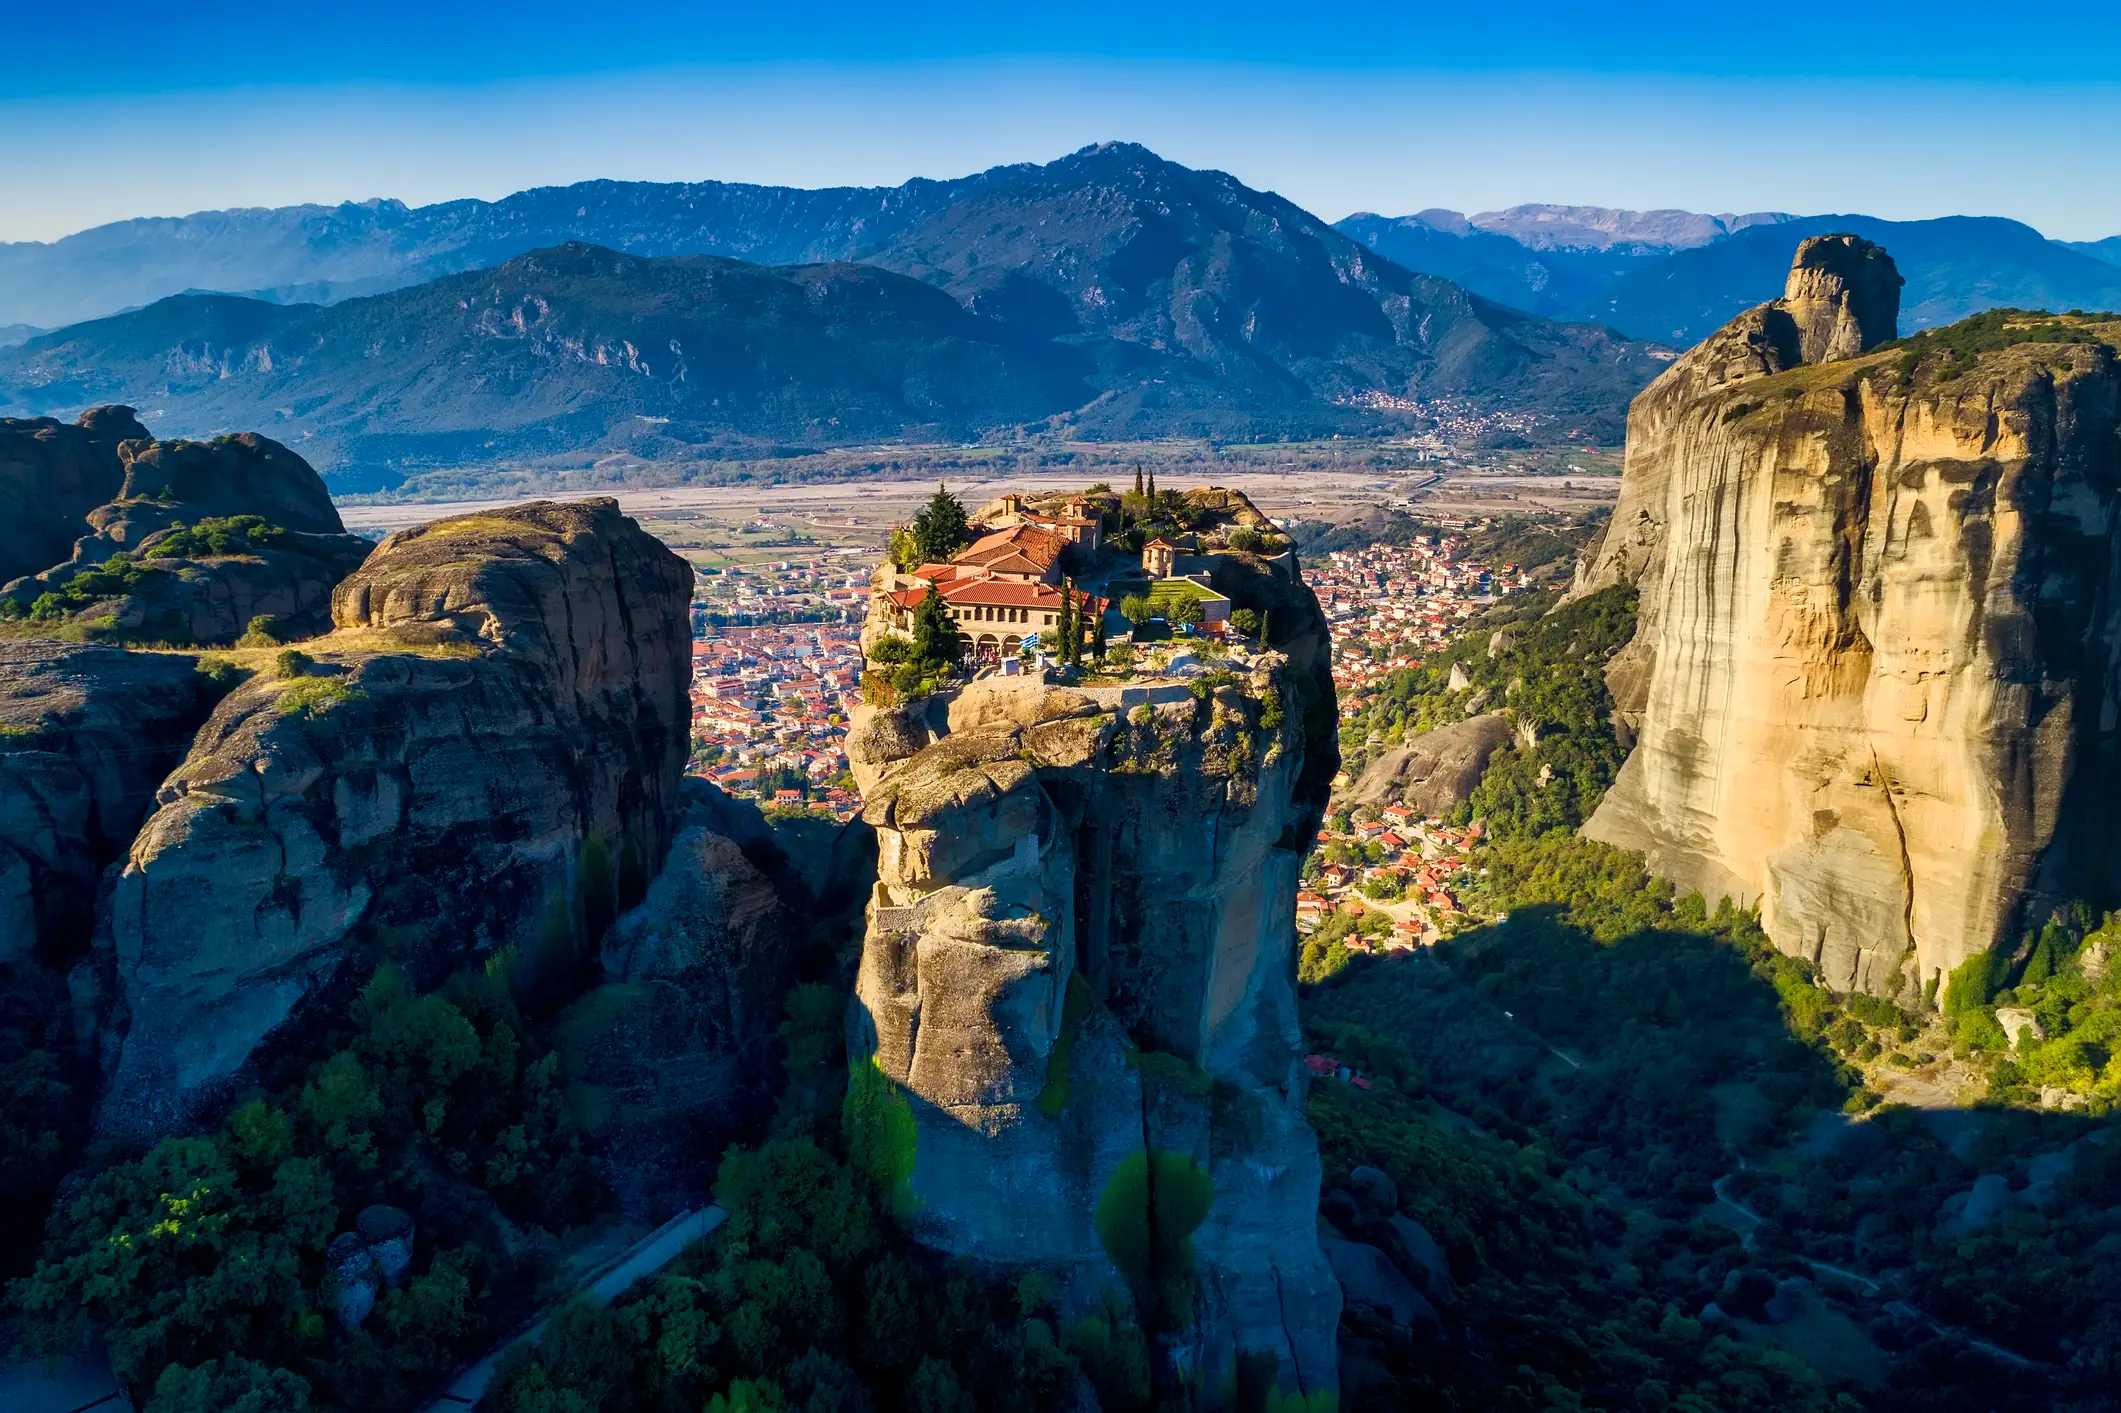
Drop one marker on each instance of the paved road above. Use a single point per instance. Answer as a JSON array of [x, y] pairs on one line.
[[644, 1258], [82, 1383]]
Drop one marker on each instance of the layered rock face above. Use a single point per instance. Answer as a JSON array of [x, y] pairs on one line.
[[1079, 981], [52, 474], [86, 735], [136, 574], [1874, 681], [486, 753]]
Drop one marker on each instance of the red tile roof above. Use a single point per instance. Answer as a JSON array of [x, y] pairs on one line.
[[1009, 593], [1020, 549]]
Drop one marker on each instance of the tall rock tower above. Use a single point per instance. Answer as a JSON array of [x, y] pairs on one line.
[[1076, 1013], [1875, 680]]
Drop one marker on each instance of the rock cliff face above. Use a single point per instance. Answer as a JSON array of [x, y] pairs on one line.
[[1079, 983], [52, 475], [486, 753], [86, 735], [1875, 676]]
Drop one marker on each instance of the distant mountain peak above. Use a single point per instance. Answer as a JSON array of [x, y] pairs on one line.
[[1543, 226]]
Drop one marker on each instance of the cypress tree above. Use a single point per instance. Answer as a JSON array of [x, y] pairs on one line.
[[1152, 495], [1137, 478], [1097, 633], [1069, 634]]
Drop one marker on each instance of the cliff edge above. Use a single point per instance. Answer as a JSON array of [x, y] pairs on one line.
[[1874, 682]]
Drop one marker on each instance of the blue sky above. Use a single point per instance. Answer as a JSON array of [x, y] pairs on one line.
[[122, 109]]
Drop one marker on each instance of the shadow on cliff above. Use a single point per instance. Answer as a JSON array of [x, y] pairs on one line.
[[1670, 1049]]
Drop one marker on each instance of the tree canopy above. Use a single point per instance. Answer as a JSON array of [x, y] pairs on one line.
[[940, 529]]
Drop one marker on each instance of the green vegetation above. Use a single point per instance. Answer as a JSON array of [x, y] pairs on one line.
[[214, 539], [1075, 1008], [125, 574], [1146, 1216], [1958, 346], [314, 696], [262, 631], [2067, 974], [881, 1135], [1543, 666], [1325, 951], [1568, 1296], [205, 1255], [940, 529], [116, 578], [1556, 1093], [913, 667], [812, 1298]]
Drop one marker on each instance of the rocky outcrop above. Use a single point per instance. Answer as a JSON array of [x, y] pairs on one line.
[[1076, 1029], [1875, 674], [52, 474], [243, 474], [486, 753], [1435, 772], [202, 539], [86, 735]]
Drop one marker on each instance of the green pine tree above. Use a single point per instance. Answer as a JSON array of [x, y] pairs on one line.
[[940, 529], [937, 644], [1137, 478]]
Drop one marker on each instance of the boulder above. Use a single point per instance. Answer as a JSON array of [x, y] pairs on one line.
[[681, 1037], [1374, 1190], [388, 1233], [1967, 1212], [1421, 1258], [1369, 1280], [1437, 771], [1746, 1292], [351, 1279], [1843, 294], [486, 754], [244, 474], [2019, 1021], [1787, 1303]]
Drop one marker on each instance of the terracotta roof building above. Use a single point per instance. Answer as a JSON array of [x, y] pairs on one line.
[[1023, 552], [995, 615]]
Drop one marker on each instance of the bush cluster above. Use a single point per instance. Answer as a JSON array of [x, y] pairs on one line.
[[202, 1261]]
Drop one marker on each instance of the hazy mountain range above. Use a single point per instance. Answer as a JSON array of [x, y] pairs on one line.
[[1675, 276], [1576, 262], [1108, 294]]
